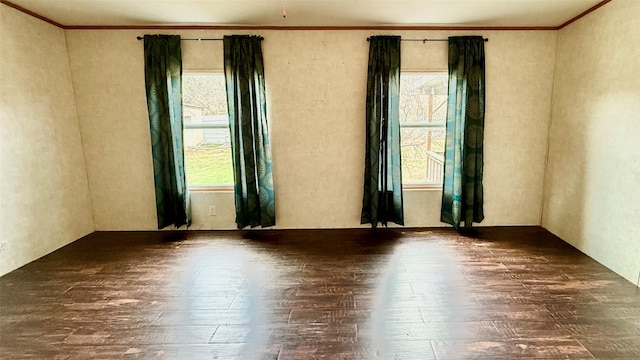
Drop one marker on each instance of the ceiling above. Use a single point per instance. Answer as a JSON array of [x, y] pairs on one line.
[[436, 13]]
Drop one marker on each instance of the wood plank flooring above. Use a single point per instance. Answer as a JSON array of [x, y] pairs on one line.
[[502, 293]]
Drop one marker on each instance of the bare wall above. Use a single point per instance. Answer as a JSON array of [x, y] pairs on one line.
[[316, 82], [592, 197], [43, 185]]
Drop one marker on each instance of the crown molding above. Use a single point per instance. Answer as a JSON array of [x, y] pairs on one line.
[[31, 13], [289, 28], [585, 13]]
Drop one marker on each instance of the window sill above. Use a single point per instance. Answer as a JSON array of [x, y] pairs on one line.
[[211, 188], [421, 187]]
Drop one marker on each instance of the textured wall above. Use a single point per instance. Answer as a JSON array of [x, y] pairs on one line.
[[43, 183], [316, 82], [592, 197], [108, 78]]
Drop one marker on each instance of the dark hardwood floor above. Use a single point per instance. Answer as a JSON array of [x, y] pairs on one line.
[[503, 293]]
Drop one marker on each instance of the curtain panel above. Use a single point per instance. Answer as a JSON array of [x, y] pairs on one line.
[[246, 101], [462, 195], [163, 80], [382, 198]]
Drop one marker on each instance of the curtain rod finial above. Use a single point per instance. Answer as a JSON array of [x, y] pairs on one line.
[[139, 37]]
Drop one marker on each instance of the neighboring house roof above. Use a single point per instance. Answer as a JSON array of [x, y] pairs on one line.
[[192, 105]]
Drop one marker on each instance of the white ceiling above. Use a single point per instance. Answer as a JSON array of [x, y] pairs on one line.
[[483, 13]]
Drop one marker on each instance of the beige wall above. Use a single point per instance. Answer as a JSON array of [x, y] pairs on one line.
[[108, 78], [43, 182], [316, 84], [592, 192]]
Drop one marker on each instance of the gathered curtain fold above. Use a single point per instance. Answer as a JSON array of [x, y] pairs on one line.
[[462, 195], [163, 80], [382, 198], [251, 151]]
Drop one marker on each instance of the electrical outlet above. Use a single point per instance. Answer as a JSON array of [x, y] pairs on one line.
[[4, 247], [212, 211]]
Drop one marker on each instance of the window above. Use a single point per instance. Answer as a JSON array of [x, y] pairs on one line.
[[423, 112], [207, 141]]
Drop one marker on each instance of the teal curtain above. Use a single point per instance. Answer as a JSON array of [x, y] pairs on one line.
[[462, 198], [163, 79], [246, 101], [382, 199]]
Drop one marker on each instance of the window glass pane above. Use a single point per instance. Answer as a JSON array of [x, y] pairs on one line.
[[422, 155], [207, 151], [423, 98], [203, 93], [208, 157]]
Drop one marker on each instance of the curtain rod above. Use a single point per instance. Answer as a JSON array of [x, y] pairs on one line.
[[425, 40], [199, 39], [261, 38]]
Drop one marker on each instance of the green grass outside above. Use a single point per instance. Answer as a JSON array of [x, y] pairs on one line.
[[211, 164], [207, 165]]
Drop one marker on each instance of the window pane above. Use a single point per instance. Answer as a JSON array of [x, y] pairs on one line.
[[208, 157], [203, 93], [423, 100], [207, 151], [423, 97], [422, 155]]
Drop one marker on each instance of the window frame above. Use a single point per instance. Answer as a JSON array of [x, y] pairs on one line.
[[421, 125], [209, 187]]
